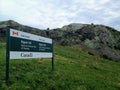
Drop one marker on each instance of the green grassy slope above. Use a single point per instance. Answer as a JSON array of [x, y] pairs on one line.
[[74, 70]]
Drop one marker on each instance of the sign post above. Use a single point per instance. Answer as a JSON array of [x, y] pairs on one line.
[[7, 55], [22, 45], [52, 56]]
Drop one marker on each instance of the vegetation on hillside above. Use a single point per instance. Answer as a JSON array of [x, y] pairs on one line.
[[75, 69]]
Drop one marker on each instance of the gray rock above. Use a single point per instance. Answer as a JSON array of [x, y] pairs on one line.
[[98, 40]]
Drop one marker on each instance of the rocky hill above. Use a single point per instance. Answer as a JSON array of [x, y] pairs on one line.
[[15, 25], [99, 40]]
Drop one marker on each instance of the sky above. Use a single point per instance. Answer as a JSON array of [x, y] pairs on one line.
[[57, 13]]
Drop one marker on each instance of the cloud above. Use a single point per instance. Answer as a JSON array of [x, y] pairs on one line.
[[56, 13]]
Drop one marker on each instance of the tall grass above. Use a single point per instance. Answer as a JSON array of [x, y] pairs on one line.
[[75, 69]]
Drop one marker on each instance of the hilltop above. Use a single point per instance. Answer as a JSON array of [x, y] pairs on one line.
[[99, 40]]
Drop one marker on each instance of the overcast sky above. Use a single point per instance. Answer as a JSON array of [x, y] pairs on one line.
[[57, 13]]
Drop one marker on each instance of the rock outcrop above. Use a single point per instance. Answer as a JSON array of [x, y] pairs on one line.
[[15, 25], [98, 40]]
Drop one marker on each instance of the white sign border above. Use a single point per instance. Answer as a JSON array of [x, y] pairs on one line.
[[29, 36]]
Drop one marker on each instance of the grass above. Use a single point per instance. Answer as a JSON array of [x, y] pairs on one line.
[[2, 38], [75, 69]]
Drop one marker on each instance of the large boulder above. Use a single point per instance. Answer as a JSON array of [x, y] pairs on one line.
[[98, 40]]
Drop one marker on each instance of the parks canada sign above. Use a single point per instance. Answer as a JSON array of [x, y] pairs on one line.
[[22, 45]]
